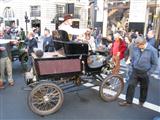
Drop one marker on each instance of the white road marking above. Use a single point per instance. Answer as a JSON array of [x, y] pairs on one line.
[[148, 105]]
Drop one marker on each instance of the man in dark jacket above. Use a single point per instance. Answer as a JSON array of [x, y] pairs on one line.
[[144, 61], [47, 39], [30, 43]]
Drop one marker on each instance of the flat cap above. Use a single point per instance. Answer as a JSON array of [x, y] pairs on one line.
[[140, 39]]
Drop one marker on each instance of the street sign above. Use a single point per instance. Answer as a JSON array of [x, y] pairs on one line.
[[137, 11]]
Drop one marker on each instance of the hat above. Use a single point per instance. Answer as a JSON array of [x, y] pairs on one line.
[[39, 53], [68, 16]]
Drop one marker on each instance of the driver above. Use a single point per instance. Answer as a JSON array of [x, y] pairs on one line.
[[67, 26]]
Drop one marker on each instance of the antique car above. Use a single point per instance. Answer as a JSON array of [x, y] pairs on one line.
[[18, 53], [17, 50], [68, 70]]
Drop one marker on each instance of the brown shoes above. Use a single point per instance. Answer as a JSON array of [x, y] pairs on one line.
[[124, 103], [1, 85], [11, 83]]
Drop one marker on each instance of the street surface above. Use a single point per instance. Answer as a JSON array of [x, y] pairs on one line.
[[86, 105]]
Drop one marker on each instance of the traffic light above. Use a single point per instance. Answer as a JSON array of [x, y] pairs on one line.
[[26, 18]]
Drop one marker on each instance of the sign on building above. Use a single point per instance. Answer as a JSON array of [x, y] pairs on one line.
[[137, 15], [100, 10]]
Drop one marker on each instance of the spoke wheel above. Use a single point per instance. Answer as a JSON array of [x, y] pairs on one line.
[[111, 88], [45, 99]]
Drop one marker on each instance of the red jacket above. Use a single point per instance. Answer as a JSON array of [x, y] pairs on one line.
[[122, 48]]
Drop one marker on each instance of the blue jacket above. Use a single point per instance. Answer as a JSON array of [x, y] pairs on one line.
[[46, 42], [146, 60], [31, 44], [151, 41]]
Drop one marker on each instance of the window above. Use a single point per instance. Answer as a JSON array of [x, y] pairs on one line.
[[77, 12], [35, 11], [60, 10], [8, 13]]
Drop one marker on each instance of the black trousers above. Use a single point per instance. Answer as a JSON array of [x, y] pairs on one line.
[[143, 79]]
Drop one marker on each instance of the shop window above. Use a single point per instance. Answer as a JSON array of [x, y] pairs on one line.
[[35, 11]]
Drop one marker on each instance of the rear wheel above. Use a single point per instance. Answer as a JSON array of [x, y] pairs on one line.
[[45, 99], [111, 87]]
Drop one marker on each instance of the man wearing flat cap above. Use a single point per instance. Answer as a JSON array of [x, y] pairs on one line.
[[66, 26], [144, 61]]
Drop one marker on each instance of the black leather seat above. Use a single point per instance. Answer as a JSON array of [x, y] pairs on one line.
[[63, 35]]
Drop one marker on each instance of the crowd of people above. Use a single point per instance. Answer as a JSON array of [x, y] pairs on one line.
[[138, 52]]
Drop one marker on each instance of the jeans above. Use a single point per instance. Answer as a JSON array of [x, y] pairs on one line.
[[128, 71]]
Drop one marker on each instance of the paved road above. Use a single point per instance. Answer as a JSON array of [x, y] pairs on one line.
[[85, 106]]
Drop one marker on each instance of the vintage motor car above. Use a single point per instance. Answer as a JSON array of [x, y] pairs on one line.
[[68, 70]]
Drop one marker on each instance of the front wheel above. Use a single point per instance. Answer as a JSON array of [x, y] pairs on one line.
[[111, 88], [45, 99]]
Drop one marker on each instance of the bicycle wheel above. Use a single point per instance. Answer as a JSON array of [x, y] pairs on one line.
[[111, 88]]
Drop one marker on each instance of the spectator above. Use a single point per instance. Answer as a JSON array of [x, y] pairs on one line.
[[22, 34], [144, 61], [47, 39], [151, 38], [128, 52], [98, 39], [7, 33], [89, 40], [1, 34], [117, 51], [5, 63], [30, 43], [36, 35], [52, 45], [13, 31]]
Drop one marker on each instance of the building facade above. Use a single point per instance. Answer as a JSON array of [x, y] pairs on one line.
[[42, 13], [118, 14]]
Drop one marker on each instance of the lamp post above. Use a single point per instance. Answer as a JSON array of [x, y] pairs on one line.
[[27, 21], [92, 13], [105, 17]]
